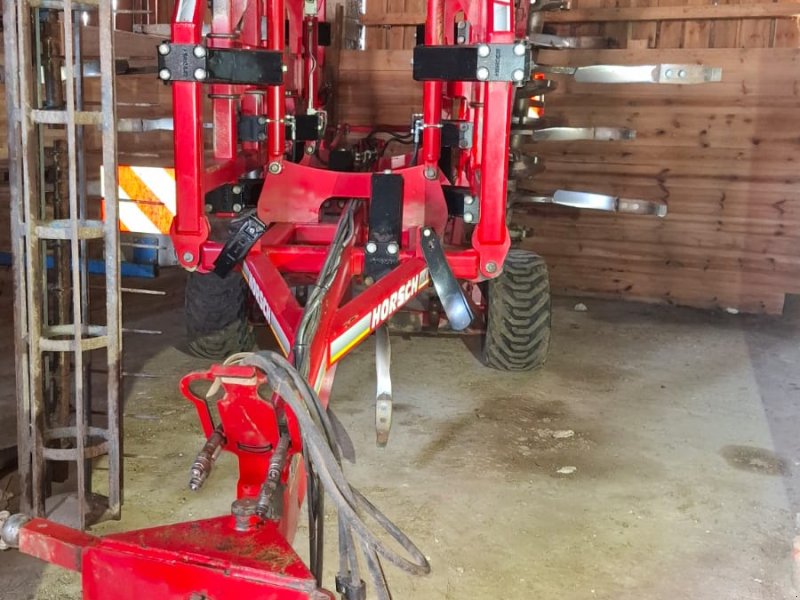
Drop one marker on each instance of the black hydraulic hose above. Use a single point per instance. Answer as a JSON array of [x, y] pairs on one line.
[[351, 505]]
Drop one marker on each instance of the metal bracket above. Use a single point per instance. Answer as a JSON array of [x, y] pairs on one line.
[[662, 74], [596, 202], [234, 198], [187, 62], [574, 134], [385, 225], [239, 244], [459, 313], [482, 62]]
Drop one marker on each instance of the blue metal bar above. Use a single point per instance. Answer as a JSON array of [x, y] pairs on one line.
[[98, 267]]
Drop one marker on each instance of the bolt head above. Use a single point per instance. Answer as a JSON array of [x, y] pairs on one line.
[[209, 208], [262, 120], [518, 75], [200, 74], [164, 49], [274, 168], [682, 74], [491, 267], [669, 73], [371, 248], [237, 208], [392, 248], [520, 49], [237, 189], [431, 173], [483, 74], [199, 51], [427, 232], [469, 199], [468, 218], [484, 50], [188, 257], [165, 74]]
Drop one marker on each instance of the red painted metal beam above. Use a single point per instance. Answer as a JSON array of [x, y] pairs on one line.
[[55, 544]]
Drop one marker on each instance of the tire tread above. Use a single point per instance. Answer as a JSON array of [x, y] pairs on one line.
[[518, 316]]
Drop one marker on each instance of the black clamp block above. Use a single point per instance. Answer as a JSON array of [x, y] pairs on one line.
[[304, 128], [457, 134], [481, 62], [299, 128], [324, 33], [385, 225], [200, 64], [238, 245], [251, 128], [461, 202], [234, 197], [342, 159]]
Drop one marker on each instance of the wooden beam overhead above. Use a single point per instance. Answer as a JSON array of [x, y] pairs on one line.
[[389, 19], [677, 13], [651, 13]]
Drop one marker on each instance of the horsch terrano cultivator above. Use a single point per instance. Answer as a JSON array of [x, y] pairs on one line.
[[333, 237]]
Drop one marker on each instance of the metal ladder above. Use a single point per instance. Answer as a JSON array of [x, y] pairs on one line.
[[59, 344]]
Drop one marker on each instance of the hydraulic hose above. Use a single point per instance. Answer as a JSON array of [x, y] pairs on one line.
[[352, 507]]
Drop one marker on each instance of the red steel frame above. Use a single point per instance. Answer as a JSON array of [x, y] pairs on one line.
[[210, 558]]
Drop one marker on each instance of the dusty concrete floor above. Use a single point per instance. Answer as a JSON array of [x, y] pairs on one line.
[[685, 446]]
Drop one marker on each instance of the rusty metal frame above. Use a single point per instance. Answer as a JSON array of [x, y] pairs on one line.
[[36, 332]]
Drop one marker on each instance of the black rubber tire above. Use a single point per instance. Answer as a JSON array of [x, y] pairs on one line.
[[216, 315], [518, 314]]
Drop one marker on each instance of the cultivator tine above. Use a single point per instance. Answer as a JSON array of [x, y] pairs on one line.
[[574, 134], [659, 74], [383, 401], [595, 202], [557, 42], [459, 313]]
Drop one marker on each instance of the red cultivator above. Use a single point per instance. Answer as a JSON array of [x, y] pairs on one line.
[[361, 235]]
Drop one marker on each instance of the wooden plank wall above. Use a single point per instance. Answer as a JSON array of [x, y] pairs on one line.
[[722, 156]]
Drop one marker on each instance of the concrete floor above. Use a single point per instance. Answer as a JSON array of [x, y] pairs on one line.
[[685, 447]]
